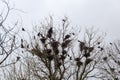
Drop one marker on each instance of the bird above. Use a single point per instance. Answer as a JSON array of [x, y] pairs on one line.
[[18, 58], [23, 29], [38, 34], [101, 49], [43, 40], [22, 45], [88, 61], [98, 42], [66, 37], [82, 45], [77, 59], [110, 43], [104, 58], [78, 63], [49, 33]]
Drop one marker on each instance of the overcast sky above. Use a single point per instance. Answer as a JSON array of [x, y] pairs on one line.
[[104, 14]]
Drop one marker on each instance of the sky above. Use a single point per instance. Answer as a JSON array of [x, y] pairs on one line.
[[102, 14]]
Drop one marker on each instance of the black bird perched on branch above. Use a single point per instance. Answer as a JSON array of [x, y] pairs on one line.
[[86, 55], [88, 61], [77, 59], [110, 43], [22, 45], [98, 42], [82, 45], [66, 37], [49, 33], [79, 63], [23, 29], [38, 34], [18, 58]]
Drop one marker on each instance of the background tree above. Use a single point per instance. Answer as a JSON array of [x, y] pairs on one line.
[[110, 68], [88, 55], [7, 34]]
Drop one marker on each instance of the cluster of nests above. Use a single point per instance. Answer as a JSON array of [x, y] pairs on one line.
[[53, 53], [55, 44], [86, 51]]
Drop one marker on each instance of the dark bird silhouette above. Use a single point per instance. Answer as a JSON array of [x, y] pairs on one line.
[[23, 29], [73, 33], [49, 33], [101, 49], [77, 59], [38, 34], [98, 42], [86, 55], [88, 61], [59, 64], [79, 63], [43, 40], [22, 45], [50, 57], [70, 58], [110, 43], [18, 58], [82, 45], [64, 20], [66, 37], [104, 58]]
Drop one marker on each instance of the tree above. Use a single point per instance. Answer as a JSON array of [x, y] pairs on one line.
[[7, 34], [88, 56], [58, 54], [110, 68]]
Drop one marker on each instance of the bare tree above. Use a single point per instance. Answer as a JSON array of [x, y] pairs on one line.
[[52, 50], [87, 56], [7, 34], [59, 55], [110, 65]]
